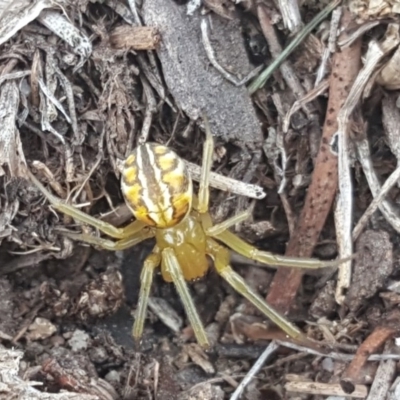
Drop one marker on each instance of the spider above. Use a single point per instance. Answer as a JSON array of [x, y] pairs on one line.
[[159, 191]]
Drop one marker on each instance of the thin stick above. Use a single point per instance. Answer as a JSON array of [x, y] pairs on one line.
[[213, 60], [377, 202], [335, 355], [272, 347]]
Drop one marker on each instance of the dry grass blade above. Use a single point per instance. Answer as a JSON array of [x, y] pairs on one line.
[[286, 68], [261, 80]]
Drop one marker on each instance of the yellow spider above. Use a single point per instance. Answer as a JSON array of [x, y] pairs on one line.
[[159, 191]]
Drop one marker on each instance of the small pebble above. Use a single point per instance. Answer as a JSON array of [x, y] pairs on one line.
[[79, 341], [67, 335], [40, 329], [327, 364], [113, 377], [98, 355], [57, 341]]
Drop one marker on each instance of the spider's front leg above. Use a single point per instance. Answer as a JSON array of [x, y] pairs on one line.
[[171, 265], [107, 244], [129, 235], [206, 164]]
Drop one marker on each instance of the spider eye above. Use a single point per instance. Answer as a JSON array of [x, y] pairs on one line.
[[156, 185]]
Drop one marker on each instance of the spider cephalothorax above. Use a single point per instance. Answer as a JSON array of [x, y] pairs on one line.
[[158, 189]]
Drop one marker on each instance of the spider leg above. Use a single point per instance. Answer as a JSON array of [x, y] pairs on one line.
[[108, 244], [228, 223], [146, 279], [108, 229], [221, 260], [245, 249], [204, 191], [171, 264]]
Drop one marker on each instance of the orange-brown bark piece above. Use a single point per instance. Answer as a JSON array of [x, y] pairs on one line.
[[320, 195], [135, 37], [370, 345]]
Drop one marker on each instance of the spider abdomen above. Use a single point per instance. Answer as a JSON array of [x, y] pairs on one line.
[[156, 185]]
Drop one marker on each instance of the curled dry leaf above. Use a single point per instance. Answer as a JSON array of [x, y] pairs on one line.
[[15, 14], [323, 187], [372, 9], [389, 77], [166, 313], [199, 357], [57, 23]]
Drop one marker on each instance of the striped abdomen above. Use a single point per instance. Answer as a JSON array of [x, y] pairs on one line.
[[156, 185]]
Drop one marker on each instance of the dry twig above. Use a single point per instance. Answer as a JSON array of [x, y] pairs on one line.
[[323, 187], [135, 37], [344, 206], [325, 389], [254, 370], [373, 342]]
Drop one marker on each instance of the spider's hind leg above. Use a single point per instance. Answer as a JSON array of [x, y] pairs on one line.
[[274, 260], [151, 262], [221, 261]]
